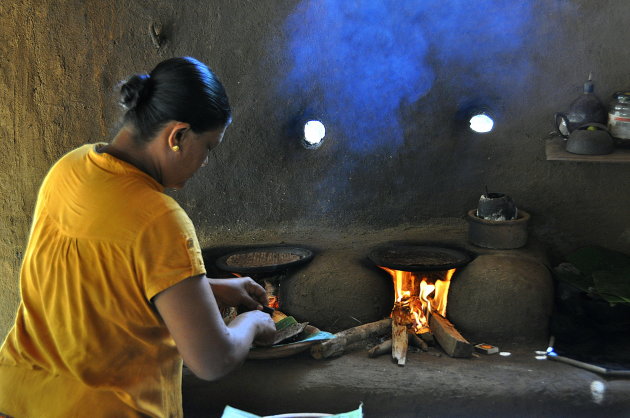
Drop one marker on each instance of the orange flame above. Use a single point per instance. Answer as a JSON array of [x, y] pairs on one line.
[[273, 302], [272, 297], [416, 295]]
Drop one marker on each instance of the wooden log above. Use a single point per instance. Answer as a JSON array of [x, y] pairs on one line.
[[416, 341], [400, 343], [336, 346], [386, 346], [448, 337], [382, 348], [427, 337]]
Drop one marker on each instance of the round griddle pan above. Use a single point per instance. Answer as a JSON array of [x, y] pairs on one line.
[[419, 258], [264, 259]]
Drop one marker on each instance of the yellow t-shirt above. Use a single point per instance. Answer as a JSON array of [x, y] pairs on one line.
[[87, 341]]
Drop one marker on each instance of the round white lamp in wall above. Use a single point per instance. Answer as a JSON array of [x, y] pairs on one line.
[[478, 115], [481, 122], [314, 133]]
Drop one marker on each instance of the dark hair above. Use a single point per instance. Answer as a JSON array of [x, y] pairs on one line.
[[181, 89]]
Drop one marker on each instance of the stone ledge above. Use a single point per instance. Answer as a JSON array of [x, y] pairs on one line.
[[518, 385]]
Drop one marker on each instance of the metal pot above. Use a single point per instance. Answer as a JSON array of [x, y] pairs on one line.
[[496, 207], [591, 139]]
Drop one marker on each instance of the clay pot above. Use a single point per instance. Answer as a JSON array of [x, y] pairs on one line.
[[500, 235]]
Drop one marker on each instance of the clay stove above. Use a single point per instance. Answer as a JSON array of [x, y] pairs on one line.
[[267, 265], [421, 276]]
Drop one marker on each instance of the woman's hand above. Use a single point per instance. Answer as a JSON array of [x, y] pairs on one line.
[[208, 346], [240, 291], [265, 327]]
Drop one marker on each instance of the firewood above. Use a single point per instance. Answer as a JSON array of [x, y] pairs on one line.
[[427, 337], [382, 348], [448, 337], [336, 346], [400, 343], [416, 341]]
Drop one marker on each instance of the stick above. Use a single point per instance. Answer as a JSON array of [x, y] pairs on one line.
[[427, 337], [590, 367], [400, 343], [336, 346], [417, 342], [382, 348], [448, 337]]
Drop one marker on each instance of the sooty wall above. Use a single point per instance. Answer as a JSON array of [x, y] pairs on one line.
[[386, 78]]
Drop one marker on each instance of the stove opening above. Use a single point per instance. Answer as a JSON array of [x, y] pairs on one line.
[[417, 295], [421, 277]]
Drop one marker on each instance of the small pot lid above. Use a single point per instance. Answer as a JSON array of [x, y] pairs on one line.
[[263, 259], [590, 139], [419, 258]]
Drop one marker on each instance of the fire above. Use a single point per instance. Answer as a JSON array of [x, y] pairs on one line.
[[273, 302], [416, 295], [272, 290]]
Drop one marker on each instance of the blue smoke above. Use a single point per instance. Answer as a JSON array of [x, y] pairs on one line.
[[368, 59]]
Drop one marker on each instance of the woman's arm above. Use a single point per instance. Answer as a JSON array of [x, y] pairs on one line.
[[209, 348]]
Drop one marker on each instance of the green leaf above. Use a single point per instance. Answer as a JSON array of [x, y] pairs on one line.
[[591, 259], [285, 322], [614, 286], [568, 273]]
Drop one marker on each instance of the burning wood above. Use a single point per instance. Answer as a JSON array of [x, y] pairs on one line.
[[417, 316], [418, 342], [427, 337], [400, 342], [446, 335], [386, 346], [336, 346], [449, 338], [380, 349], [416, 295], [420, 308]]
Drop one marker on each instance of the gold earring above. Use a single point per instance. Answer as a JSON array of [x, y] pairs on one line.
[[175, 148]]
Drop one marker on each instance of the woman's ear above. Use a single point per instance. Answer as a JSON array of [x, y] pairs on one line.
[[175, 133]]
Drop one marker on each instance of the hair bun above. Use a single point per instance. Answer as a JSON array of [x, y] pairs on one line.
[[134, 90]]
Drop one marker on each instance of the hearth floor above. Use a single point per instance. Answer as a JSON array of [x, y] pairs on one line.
[[427, 386]]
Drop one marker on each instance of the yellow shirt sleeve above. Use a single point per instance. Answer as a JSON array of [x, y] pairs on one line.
[[167, 252]]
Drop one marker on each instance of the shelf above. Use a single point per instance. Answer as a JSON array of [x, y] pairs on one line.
[[555, 150]]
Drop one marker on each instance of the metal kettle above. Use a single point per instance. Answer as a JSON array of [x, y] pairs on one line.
[[585, 109]]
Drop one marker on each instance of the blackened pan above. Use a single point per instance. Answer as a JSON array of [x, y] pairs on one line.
[[264, 259], [419, 257]]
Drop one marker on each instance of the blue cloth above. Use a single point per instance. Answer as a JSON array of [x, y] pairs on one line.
[[319, 335], [230, 412]]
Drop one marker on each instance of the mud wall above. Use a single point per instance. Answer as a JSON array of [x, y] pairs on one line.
[[60, 63]]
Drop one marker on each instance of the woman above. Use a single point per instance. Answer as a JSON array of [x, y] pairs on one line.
[[114, 292]]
